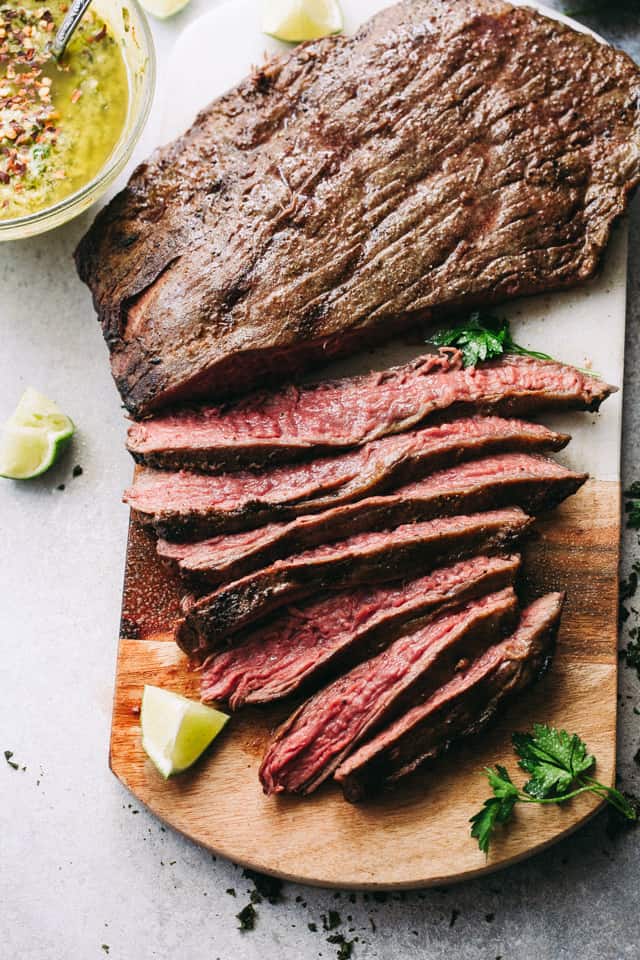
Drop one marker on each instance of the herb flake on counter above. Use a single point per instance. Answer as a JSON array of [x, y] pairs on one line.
[[632, 505], [345, 947], [483, 337], [247, 917], [558, 765], [8, 754], [631, 655]]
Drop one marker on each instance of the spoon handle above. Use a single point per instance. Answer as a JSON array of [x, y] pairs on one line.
[[72, 18]]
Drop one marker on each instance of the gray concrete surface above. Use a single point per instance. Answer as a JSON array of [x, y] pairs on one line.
[[83, 871]]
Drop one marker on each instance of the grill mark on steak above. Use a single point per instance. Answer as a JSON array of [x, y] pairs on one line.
[[337, 414], [369, 182], [187, 505], [461, 707], [311, 744], [511, 479], [306, 645], [367, 558]]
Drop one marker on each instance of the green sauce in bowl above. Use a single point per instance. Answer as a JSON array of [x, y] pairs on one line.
[[59, 122]]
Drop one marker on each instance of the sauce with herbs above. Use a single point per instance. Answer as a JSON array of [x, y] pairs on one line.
[[59, 122]]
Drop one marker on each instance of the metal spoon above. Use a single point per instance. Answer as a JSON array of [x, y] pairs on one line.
[[73, 17]]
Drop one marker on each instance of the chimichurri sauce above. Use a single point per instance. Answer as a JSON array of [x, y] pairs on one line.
[[59, 122]]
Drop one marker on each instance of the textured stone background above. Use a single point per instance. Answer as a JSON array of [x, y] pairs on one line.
[[80, 865]]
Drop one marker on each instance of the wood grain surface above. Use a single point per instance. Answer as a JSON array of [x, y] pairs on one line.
[[419, 833]]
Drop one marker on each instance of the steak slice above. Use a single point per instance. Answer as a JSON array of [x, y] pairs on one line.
[[510, 479], [188, 504], [357, 184], [312, 743], [459, 708], [304, 645], [366, 558], [337, 414]]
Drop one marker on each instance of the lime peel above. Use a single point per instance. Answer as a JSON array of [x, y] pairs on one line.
[[163, 9], [34, 437], [295, 21], [175, 730]]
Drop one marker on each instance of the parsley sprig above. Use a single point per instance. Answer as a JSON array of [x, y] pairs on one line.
[[483, 337], [558, 764]]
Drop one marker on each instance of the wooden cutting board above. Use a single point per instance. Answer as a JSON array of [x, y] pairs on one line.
[[419, 834]]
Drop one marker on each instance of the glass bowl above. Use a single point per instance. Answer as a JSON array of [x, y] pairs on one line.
[[131, 30]]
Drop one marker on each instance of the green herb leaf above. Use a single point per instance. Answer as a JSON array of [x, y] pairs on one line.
[[482, 337], [247, 917], [553, 758], [558, 763]]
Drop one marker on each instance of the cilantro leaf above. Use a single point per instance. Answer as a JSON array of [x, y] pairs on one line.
[[497, 809], [558, 763], [481, 338], [554, 759], [494, 810]]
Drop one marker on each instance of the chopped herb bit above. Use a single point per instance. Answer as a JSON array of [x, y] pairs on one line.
[[60, 486], [269, 887], [105, 947], [77, 471], [247, 917], [313, 927], [483, 337], [231, 891], [345, 947], [12, 763], [631, 654], [255, 897], [558, 764], [454, 916], [632, 505]]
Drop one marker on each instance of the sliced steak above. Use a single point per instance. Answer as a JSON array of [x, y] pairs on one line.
[[190, 504], [459, 708], [312, 743], [305, 645], [510, 479], [337, 414], [367, 558], [357, 184]]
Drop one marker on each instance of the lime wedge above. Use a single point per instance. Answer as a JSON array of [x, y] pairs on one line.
[[33, 437], [175, 730], [163, 9], [298, 20]]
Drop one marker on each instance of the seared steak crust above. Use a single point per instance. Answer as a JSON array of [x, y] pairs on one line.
[[358, 184]]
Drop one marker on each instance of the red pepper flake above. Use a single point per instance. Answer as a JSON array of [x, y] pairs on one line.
[[100, 35], [75, 96]]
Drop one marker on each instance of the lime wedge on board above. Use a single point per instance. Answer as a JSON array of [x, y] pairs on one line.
[[33, 437], [175, 730], [163, 9], [296, 20]]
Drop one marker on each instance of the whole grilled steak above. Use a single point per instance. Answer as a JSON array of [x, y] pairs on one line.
[[459, 708], [355, 185], [337, 414], [510, 479], [190, 504], [324, 730], [367, 558], [305, 645]]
